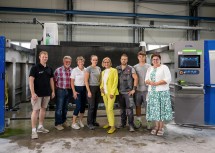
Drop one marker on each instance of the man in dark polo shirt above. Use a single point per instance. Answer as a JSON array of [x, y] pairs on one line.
[[41, 84]]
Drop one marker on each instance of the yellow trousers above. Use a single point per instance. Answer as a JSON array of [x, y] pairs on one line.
[[109, 105]]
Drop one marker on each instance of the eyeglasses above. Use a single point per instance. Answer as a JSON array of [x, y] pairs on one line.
[[106, 62], [156, 59]]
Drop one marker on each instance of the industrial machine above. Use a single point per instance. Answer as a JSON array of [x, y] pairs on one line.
[[194, 83], [209, 82]]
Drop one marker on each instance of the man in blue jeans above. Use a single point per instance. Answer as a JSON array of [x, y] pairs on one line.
[[127, 85], [64, 93]]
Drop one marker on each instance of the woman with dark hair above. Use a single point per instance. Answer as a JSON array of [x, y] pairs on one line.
[[159, 107], [92, 82]]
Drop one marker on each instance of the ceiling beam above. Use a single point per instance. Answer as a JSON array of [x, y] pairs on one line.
[[197, 3], [100, 13], [173, 2]]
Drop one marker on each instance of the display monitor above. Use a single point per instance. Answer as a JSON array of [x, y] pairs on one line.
[[189, 61]]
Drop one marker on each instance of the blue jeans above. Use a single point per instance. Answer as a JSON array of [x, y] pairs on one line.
[[81, 100], [63, 98]]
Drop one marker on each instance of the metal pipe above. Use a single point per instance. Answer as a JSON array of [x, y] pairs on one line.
[[117, 25], [67, 19]]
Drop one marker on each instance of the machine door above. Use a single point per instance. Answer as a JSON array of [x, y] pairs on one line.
[[189, 105], [189, 82], [209, 82], [2, 74]]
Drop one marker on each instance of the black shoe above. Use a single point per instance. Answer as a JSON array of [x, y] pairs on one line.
[[121, 126], [90, 126], [96, 124]]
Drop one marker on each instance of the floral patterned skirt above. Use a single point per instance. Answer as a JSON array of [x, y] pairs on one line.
[[159, 106]]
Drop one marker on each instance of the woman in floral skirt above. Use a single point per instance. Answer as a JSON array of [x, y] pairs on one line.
[[159, 107]]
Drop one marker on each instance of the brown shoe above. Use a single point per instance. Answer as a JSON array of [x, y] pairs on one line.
[[59, 127], [66, 124]]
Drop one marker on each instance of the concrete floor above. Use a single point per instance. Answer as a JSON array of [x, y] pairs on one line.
[[176, 139]]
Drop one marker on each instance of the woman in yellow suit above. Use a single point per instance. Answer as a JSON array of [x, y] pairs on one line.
[[109, 83]]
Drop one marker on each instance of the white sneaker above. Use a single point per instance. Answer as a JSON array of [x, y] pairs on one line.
[[75, 126], [131, 128], [34, 135], [42, 130], [149, 125], [137, 124], [81, 124]]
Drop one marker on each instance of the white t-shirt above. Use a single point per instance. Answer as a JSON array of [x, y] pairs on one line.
[[78, 75], [105, 79]]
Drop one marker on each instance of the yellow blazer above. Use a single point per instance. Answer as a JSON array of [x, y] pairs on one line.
[[112, 82]]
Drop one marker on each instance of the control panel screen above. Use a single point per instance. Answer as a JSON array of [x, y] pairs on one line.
[[189, 61]]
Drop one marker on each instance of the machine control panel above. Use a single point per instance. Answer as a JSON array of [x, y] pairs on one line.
[[188, 72]]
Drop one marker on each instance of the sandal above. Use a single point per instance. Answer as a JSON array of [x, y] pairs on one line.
[[154, 131], [160, 132]]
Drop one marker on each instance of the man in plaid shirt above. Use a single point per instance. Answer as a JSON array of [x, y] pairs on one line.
[[64, 93]]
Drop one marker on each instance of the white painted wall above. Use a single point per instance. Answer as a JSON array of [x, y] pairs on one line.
[[26, 32], [51, 4], [207, 11], [166, 9], [207, 35], [103, 5], [23, 32], [107, 34]]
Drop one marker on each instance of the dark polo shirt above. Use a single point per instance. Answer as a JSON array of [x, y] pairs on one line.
[[42, 75]]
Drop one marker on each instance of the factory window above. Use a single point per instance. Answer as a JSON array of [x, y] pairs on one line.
[[151, 47], [15, 43], [23, 44]]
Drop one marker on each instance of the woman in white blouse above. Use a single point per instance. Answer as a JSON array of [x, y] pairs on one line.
[[159, 107], [79, 92]]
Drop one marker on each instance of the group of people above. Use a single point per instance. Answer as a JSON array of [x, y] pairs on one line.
[[134, 85]]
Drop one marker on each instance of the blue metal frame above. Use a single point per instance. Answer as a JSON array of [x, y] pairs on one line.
[[99, 13], [2, 84], [209, 91]]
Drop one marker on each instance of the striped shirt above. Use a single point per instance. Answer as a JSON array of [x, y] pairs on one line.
[[62, 77]]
